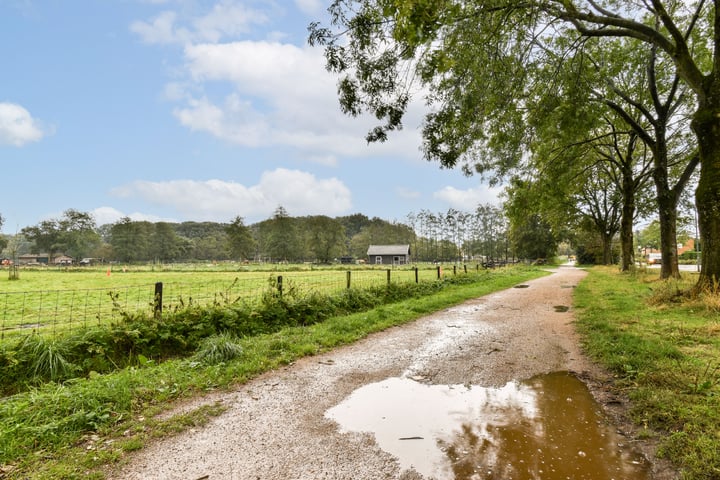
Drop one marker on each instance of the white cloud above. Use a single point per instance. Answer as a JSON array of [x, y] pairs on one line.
[[226, 19], [161, 30], [301, 193], [236, 122], [468, 200], [108, 215], [265, 93], [407, 193], [17, 127], [311, 7], [105, 215], [281, 95]]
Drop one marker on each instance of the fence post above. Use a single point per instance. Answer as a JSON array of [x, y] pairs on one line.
[[439, 272], [454, 269], [157, 306], [388, 277], [465, 267], [416, 275], [348, 279], [279, 285]]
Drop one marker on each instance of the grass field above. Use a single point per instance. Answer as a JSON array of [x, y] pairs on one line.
[[51, 300], [663, 348]]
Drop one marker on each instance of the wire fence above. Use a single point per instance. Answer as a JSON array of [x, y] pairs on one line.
[[55, 311]]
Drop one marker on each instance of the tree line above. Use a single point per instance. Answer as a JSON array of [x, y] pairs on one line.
[[595, 114], [433, 237]]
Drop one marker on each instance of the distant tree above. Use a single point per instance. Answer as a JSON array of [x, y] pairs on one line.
[[281, 237], [45, 237], [649, 237], [533, 238], [212, 246], [74, 234], [166, 245], [3, 240], [131, 240], [78, 235], [489, 232], [240, 241], [326, 238], [353, 224]]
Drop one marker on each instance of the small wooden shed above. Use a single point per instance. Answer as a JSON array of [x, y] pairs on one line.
[[388, 254]]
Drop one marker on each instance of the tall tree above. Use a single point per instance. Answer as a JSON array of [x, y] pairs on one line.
[[166, 244], [478, 61], [282, 242], [130, 240], [325, 237], [239, 238], [79, 234]]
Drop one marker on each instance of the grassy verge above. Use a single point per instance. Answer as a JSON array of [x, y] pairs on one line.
[[78, 428], [664, 349]]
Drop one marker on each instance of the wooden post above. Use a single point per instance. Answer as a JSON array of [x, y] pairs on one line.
[[465, 267], [348, 279], [279, 285], [388, 276], [454, 269], [416, 275], [439, 272], [157, 307]]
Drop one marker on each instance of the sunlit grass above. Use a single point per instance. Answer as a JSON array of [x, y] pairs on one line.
[[664, 348]]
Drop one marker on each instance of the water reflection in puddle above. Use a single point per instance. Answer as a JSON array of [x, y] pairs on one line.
[[548, 427]]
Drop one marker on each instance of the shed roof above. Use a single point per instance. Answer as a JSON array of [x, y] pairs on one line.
[[388, 250]]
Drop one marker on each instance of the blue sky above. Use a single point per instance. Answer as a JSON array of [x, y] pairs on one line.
[[179, 110]]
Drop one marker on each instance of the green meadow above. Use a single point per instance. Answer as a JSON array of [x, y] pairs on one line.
[[52, 300]]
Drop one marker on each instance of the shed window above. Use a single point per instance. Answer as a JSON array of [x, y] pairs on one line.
[[378, 260]]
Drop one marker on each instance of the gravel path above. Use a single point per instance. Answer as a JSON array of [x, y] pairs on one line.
[[276, 428]]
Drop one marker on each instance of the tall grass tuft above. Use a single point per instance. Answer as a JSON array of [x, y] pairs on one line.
[[218, 349], [46, 358]]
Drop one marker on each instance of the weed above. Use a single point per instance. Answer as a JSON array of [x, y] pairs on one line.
[[45, 358], [219, 348]]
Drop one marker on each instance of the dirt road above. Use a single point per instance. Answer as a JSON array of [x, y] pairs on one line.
[[277, 427]]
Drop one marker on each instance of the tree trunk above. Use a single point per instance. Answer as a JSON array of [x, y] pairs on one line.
[[607, 247], [706, 125], [626, 222], [668, 239], [667, 201], [667, 217]]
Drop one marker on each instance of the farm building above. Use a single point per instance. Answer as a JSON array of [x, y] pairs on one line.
[[63, 260], [34, 259], [388, 254]]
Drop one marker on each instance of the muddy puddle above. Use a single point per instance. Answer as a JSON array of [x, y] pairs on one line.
[[547, 427]]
